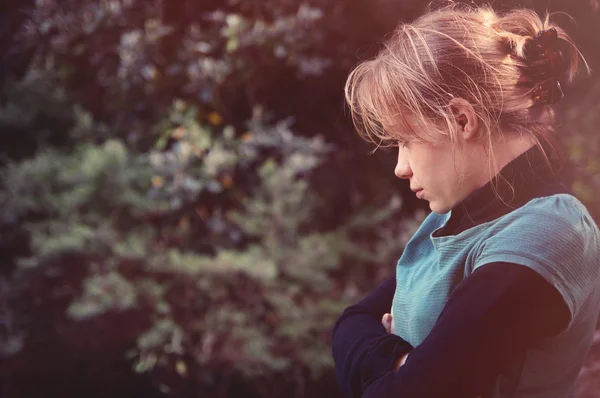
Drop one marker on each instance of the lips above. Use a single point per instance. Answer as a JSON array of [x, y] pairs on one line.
[[418, 192]]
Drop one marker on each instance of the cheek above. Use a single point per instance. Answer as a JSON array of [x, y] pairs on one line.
[[446, 178]]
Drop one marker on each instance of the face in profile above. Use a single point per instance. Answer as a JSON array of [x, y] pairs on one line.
[[439, 172]]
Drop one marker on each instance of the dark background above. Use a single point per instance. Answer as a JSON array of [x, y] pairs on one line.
[[184, 205]]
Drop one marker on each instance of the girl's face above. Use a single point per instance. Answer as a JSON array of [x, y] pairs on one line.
[[439, 174]]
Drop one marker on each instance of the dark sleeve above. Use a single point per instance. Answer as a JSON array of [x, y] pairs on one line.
[[489, 321], [362, 349]]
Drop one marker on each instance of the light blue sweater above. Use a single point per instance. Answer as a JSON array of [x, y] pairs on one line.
[[556, 237]]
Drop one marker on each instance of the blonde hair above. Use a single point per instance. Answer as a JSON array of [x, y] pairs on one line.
[[455, 52]]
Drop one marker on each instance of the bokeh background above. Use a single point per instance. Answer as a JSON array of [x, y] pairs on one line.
[[185, 207]]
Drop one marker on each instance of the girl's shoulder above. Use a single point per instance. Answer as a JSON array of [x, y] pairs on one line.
[[553, 211], [558, 202]]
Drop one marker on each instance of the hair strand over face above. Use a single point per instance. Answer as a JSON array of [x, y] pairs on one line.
[[455, 52]]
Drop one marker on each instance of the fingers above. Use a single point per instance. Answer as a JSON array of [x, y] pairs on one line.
[[400, 362], [387, 321]]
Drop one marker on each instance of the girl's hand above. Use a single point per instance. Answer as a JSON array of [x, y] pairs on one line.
[[388, 323]]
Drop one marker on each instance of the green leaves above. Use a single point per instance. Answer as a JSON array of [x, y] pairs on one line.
[[179, 194], [102, 293], [210, 232], [583, 145]]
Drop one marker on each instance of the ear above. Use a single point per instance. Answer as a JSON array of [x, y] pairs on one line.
[[466, 118]]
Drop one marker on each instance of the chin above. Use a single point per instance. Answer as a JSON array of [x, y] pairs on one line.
[[439, 208]]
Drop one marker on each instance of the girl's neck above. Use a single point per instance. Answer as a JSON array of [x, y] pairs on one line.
[[505, 151]]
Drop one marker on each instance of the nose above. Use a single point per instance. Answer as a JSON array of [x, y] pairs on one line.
[[403, 169]]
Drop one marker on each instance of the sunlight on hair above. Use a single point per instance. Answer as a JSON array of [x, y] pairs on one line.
[[458, 51]]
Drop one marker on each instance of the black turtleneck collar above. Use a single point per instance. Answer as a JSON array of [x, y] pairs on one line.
[[526, 177]]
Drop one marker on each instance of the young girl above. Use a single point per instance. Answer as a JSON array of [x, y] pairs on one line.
[[497, 294]]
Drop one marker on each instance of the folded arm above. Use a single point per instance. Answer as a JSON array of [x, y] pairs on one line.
[[363, 351], [489, 321]]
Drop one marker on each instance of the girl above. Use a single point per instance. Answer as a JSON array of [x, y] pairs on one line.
[[497, 294]]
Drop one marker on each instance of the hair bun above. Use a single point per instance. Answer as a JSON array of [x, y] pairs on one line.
[[546, 67]]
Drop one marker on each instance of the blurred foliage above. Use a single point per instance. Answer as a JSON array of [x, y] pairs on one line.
[[134, 61], [250, 280], [581, 138], [170, 164]]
